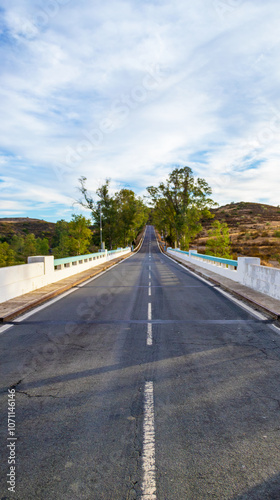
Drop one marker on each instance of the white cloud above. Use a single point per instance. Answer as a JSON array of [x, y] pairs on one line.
[[177, 83]]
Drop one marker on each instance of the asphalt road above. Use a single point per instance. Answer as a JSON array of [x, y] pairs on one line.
[[145, 382]]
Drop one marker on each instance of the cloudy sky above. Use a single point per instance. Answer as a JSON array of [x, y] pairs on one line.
[[127, 90]]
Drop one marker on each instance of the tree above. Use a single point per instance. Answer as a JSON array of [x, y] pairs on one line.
[[61, 240], [106, 205], [29, 246], [42, 246], [80, 234], [123, 214], [131, 216], [17, 243], [7, 255], [219, 243], [180, 204]]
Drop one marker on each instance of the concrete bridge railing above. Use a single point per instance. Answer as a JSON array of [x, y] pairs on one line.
[[44, 270], [245, 270]]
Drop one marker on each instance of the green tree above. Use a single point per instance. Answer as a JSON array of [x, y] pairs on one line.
[[132, 215], [61, 240], [17, 244], [106, 207], [218, 242], [7, 255], [80, 234], [180, 204], [123, 214], [42, 246], [29, 246], [61, 229]]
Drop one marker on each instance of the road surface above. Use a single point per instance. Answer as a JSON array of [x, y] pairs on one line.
[[145, 382]]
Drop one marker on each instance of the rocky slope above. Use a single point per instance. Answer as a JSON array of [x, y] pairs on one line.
[[254, 231]]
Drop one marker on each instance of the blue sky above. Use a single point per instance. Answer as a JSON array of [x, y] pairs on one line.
[[126, 90]]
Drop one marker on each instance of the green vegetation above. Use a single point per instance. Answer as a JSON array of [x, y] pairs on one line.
[[218, 243], [7, 255], [70, 238], [19, 248], [179, 205], [123, 214], [180, 208]]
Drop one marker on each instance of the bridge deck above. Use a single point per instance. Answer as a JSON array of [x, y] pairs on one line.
[[12, 308]]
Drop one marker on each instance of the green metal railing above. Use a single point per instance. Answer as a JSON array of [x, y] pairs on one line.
[[220, 260], [88, 257]]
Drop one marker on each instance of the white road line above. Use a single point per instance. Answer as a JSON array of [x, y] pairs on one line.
[[241, 304], [39, 308], [150, 275], [189, 271], [4, 328], [150, 290], [149, 311], [149, 267], [149, 326], [64, 294], [252, 311], [149, 455], [150, 334]]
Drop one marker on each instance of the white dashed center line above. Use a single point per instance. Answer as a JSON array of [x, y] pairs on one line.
[[149, 327], [149, 458]]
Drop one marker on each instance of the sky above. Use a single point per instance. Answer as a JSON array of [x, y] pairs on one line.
[[129, 90]]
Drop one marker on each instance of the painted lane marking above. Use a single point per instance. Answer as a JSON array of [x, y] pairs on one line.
[[64, 294], [190, 272], [149, 311], [149, 326], [149, 456], [4, 328], [275, 328], [241, 304], [150, 290], [150, 334], [223, 292], [252, 311], [37, 309], [150, 277]]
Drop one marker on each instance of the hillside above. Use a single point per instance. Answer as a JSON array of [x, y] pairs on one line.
[[254, 231], [21, 226]]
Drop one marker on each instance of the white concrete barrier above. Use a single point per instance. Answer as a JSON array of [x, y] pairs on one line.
[[248, 271], [261, 278], [40, 271]]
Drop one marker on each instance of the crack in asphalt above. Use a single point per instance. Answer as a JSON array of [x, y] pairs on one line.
[[270, 398], [40, 395]]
